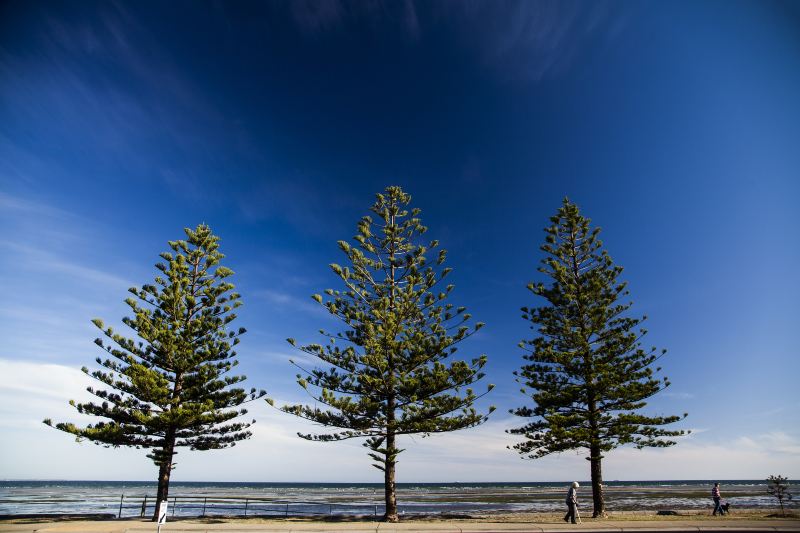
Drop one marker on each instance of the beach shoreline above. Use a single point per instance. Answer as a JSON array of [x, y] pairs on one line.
[[689, 520], [192, 499]]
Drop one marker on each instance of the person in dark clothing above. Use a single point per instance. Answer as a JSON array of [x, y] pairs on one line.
[[572, 502], [716, 497]]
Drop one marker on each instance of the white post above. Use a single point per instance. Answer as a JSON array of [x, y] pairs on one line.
[[162, 514]]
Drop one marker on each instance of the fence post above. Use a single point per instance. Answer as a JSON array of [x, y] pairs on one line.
[[330, 509], [174, 504], [121, 497], [287, 510], [245, 506], [204, 505], [376, 510], [144, 506]]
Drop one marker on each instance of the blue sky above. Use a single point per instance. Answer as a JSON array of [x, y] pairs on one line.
[[674, 125]]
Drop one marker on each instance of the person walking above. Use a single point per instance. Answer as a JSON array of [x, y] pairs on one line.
[[717, 498], [572, 502]]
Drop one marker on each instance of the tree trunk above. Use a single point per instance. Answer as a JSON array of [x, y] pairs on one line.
[[389, 485], [598, 505], [164, 471]]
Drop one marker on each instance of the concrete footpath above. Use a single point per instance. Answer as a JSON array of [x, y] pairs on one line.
[[728, 525]]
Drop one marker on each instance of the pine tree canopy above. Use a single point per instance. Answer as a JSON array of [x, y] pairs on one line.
[[587, 370], [385, 373], [172, 386], [778, 487]]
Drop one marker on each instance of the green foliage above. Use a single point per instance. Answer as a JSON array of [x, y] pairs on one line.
[[171, 387], [778, 486], [385, 374], [587, 371]]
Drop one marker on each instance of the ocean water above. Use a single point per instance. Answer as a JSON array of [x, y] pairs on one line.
[[130, 498]]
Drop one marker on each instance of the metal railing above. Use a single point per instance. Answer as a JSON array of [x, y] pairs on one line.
[[142, 506]]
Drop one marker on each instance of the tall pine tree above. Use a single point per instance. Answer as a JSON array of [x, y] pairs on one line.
[[170, 388], [587, 371], [389, 377]]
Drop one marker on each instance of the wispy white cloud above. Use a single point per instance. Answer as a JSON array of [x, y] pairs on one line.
[[678, 395], [54, 281], [313, 18], [28, 207], [311, 204], [531, 40], [292, 302], [30, 392], [33, 391], [288, 356], [43, 260], [36, 315], [745, 457], [143, 103], [28, 220], [55, 330], [50, 239]]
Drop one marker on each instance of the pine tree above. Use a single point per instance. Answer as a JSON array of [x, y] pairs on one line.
[[389, 377], [778, 487], [588, 374], [169, 389]]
